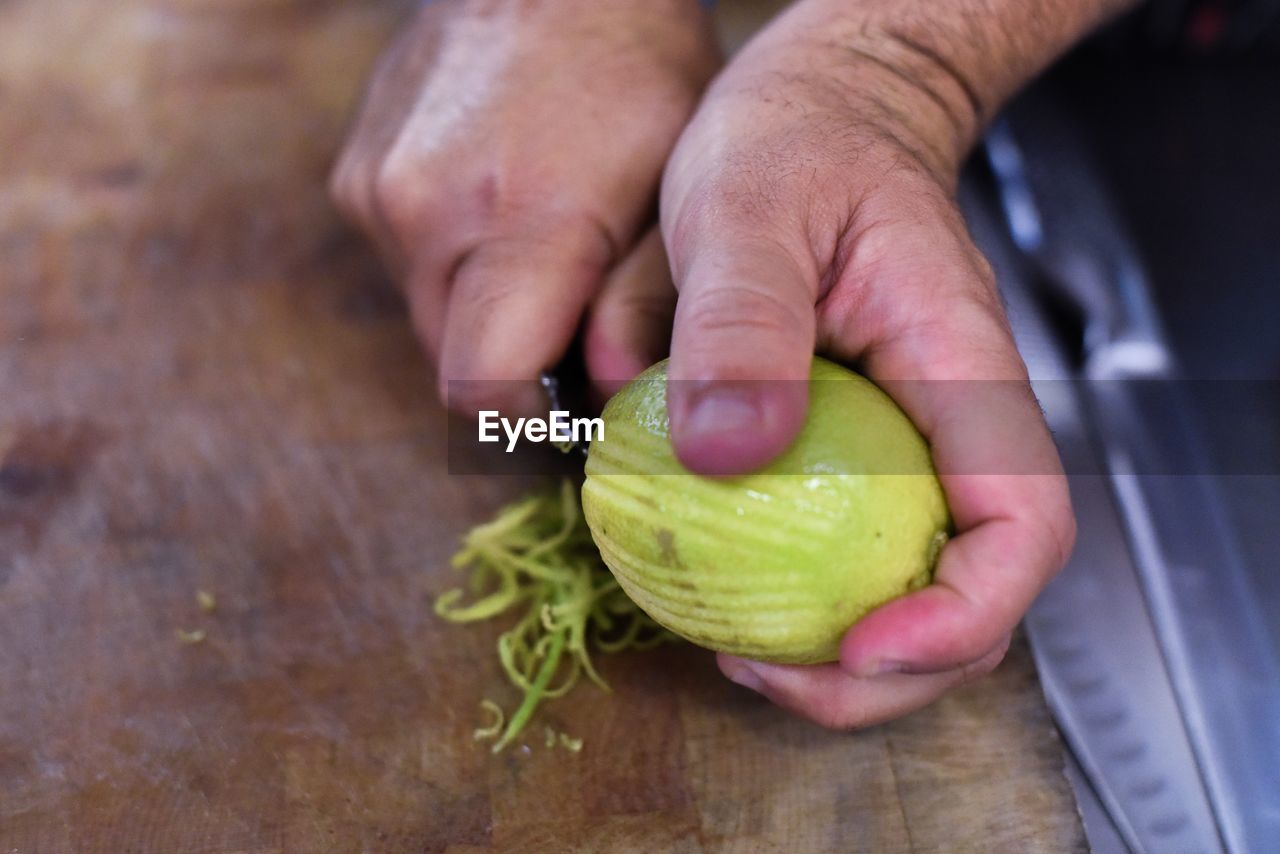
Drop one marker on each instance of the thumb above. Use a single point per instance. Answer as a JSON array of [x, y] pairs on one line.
[[741, 351]]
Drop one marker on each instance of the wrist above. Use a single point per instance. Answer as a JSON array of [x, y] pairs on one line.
[[916, 98], [936, 71], [680, 30], [678, 11]]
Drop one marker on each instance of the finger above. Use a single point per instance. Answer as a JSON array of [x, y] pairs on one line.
[[361, 183], [427, 293], [513, 308], [629, 324], [1010, 504], [957, 374], [829, 696], [741, 350], [986, 580]]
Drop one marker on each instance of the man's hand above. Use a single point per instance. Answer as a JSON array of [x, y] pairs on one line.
[[506, 163], [810, 205]]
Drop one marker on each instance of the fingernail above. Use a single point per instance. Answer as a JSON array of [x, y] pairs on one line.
[[740, 672], [723, 410], [729, 430], [880, 667]]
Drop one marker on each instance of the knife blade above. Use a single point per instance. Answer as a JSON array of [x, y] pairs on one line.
[[1095, 645], [1224, 674]]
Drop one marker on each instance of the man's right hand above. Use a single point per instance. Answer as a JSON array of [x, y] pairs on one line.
[[506, 164]]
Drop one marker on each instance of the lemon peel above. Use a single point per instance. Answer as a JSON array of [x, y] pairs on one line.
[[776, 564], [537, 557], [494, 729], [191, 637]]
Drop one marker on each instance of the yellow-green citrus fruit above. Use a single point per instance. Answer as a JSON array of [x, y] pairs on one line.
[[778, 564]]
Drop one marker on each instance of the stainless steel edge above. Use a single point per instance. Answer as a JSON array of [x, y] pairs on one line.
[[1223, 671], [1094, 642]]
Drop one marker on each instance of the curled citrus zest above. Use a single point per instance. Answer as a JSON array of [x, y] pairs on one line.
[[493, 729], [536, 692], [191, 637], [537, 556], [626, 639]]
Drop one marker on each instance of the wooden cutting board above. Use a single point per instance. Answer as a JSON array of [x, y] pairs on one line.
[[207, 384]]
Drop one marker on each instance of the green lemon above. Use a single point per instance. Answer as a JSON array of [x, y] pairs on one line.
[[778, 564]]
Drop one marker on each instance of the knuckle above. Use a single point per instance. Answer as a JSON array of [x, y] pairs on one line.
[[1060, 527], [512, 192], [344, 191], [1068, 530], [476, 353], [833, 715], [741, 309], [393, 190], [336, 185], [486, 306], [739, 194], [1050, 521], [987, 664], [744, 192], [962, 648], [582, 238]]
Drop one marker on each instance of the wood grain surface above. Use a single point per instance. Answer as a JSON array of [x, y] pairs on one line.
[[207, 384]]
